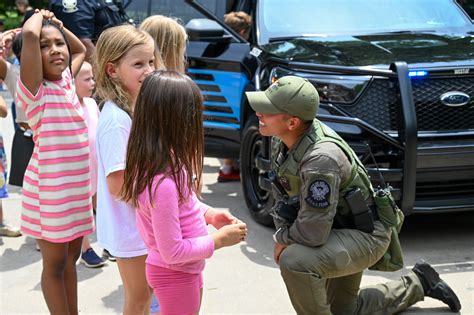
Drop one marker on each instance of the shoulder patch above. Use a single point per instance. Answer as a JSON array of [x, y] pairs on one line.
[[319, 193], [69, 6]]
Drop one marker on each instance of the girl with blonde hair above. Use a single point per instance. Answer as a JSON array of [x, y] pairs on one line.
[[170, 38], [125, 56]]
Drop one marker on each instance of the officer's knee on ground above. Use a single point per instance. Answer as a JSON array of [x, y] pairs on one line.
[[318, 260], [292, 260]]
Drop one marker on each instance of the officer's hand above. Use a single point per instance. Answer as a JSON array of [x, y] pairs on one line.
[[279, 248]]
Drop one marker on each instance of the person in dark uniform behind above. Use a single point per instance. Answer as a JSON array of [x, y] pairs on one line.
[[328, 229], [88, 18]]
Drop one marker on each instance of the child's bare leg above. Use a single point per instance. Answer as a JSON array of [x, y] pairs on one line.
[[52, 278], [6, 230], [94, 201], [136, 289], [70, 274], [85, 243], [200, 303]]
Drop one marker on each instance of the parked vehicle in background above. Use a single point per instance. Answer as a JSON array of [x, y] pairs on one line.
[[395, 79]]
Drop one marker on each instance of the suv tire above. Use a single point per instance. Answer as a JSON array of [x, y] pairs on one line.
[[259, 201]]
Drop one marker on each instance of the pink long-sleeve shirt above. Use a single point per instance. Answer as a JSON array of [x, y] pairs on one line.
[[175, 234]]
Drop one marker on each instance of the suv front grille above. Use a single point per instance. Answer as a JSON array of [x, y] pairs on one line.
[[379, 105], [458, 188]]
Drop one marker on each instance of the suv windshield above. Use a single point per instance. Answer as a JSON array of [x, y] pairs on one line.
[[296, 18]]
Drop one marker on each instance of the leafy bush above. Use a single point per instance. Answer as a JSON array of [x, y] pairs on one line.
[[10, 16]]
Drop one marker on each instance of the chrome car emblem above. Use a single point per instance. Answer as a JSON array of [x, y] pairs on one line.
[[455, 99], [461, 71]]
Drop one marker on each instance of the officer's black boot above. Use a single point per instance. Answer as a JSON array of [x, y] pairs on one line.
[[434, 287]]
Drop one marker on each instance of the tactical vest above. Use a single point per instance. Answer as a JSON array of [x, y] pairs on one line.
[[109, 13], [287, 167]]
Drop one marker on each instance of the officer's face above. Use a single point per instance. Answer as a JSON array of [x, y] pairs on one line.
[[273, 124]]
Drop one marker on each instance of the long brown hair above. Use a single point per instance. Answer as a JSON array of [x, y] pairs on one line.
[[166, 137], [112, 45]]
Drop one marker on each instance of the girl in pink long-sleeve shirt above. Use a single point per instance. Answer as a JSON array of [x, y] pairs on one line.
[[163, 179]]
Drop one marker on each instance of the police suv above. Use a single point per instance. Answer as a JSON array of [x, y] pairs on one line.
[[395, 79]]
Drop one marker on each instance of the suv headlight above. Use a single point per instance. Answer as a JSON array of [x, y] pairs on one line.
[[339, 89]]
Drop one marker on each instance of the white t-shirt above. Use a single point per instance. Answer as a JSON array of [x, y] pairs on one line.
[[11, 77], [91, 115], [116, 225]]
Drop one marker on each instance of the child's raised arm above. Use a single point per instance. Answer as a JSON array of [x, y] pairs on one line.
[[5, 43], [78, 50], [31, 68]]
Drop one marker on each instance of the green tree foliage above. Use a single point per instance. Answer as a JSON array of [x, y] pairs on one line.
[[10, 16]]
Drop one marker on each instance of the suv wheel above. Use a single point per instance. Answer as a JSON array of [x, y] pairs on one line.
[[258, 200]]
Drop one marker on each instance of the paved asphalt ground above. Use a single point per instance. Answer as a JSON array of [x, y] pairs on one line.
[[238, 280]]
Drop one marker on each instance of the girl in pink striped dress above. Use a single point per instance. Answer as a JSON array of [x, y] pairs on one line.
[[56, 205]]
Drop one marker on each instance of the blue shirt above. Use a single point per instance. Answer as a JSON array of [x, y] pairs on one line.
[[85, 19]]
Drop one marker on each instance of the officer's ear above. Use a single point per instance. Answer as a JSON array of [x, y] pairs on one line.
[[294, 123]]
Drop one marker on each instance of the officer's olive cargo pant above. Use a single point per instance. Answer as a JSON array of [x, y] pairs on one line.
[[325, 280]]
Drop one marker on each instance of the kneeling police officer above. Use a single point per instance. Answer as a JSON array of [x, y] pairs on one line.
[[328, 226]]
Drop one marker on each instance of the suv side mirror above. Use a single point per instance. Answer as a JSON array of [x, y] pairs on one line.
[[206, 30]]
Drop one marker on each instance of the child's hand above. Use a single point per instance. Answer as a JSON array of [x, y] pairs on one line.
[[47, 15], [8, 36], [58, 22], [6, 40], [229, 235], [219, 218]]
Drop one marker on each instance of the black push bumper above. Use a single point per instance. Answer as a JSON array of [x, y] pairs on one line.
[[433, 176]]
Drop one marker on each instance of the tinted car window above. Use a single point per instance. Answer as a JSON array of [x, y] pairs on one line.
[[139, 9], [342, 17], [468, 6]]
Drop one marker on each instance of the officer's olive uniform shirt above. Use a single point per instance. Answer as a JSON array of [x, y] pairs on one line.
[[322, 163]]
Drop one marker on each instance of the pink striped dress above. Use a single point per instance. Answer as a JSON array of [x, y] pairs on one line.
[[56, 203]]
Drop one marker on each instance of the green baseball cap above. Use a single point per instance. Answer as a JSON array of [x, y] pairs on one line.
[[291, 95]]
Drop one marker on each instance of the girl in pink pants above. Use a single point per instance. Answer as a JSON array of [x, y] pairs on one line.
[[163, 180]]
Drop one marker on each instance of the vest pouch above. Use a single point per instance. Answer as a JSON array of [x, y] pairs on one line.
[[389, 213], [391, 217]]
